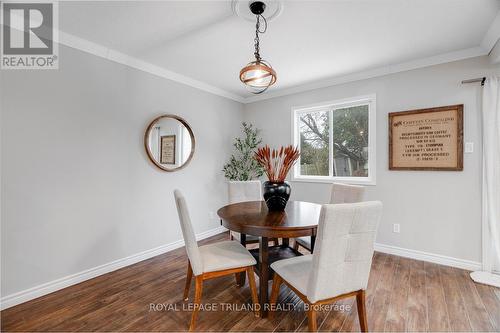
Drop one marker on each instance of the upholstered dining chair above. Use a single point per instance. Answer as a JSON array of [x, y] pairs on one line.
[[241, 191], [341, 193], [341, 262], [212, 260]]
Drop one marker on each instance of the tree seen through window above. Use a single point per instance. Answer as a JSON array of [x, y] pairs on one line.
[[349, 142]]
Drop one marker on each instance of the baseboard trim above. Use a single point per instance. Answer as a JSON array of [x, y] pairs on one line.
[[429, 257], [49, 287], [488, 278], [52, 286]]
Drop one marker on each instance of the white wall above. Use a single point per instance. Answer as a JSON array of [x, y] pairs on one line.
[[439, 212], [78, 190], [77, 187]]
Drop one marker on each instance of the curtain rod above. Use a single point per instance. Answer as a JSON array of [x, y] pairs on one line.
[[479, 79]]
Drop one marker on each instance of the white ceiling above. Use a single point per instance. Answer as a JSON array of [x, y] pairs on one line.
[[310, 41]]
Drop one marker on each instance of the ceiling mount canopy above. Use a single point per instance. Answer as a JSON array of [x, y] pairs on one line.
[[241, 8], [258, 75], [257, 7]]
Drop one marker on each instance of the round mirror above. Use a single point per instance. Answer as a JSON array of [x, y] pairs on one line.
[[169, 142]]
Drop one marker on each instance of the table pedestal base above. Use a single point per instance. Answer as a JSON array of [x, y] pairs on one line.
[[265, 256], [275, 253]]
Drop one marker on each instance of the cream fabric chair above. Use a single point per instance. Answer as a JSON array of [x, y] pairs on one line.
[[241, 191], [345, 193], [341, 262], [341, 193], [212, 260]]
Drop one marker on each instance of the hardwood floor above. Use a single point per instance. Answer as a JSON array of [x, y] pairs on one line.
[[402, 295]]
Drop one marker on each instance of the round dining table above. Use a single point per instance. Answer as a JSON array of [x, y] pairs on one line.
[[299, 219]]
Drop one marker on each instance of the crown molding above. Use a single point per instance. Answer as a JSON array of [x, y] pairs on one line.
[[489, 40], [101, 51], [372, 73], [487, 44], [127, 60], [495, 54], [492, 35]]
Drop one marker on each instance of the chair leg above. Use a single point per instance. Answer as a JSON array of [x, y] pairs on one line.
[[253, 290], [189, 275], [237, 278], [360, 300], [277, 280], [295, 245], [311, 319], [197, 301], [276, 242]]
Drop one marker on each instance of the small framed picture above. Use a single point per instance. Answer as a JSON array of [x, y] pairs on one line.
[[167, 149]]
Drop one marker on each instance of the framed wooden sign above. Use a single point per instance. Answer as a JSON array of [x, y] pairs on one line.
[[427, 139], [167, 149]]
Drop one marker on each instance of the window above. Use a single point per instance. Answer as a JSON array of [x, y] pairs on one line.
[[336, 141]]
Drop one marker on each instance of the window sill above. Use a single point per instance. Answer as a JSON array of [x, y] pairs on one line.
[[328, 180]]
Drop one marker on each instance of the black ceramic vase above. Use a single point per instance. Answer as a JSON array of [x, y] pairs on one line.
[[276, 195]]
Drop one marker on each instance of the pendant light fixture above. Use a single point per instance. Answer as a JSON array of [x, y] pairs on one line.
[[258, 75]]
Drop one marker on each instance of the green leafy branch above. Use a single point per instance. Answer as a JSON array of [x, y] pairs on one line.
[[242, 165]]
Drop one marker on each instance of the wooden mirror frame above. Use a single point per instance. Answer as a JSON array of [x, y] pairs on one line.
[[150, 153]]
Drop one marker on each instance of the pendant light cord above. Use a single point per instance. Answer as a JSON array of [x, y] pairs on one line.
[[257, 32]]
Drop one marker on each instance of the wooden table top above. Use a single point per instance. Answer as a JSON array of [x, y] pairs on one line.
[[253, 218]]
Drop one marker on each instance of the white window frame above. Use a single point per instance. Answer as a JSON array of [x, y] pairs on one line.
[[369, 100]]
